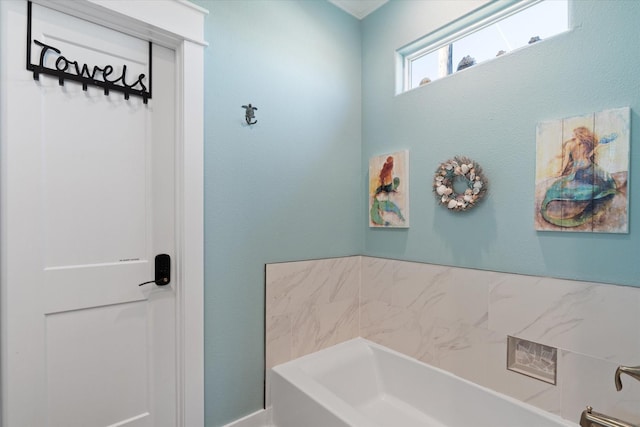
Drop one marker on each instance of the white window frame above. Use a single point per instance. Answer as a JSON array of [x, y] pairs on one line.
[[443, 37]]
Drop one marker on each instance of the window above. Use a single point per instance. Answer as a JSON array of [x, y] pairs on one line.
[[490, 31]]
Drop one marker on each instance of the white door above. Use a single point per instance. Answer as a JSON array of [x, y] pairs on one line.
[[90, 202]]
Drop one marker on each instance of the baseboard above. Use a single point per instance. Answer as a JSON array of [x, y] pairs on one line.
[[261, 418]]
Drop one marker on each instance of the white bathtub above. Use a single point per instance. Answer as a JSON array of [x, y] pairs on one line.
[[362, 384]]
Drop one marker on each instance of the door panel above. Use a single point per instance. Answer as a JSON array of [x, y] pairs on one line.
[[95, 183], [97, 365], [90, 202]]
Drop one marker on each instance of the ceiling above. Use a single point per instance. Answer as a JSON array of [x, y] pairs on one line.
[[358, 8]]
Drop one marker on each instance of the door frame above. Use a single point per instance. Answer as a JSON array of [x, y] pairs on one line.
[[179, 25]]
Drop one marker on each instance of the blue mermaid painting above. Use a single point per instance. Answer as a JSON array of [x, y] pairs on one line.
[[389, 190], [581, 173]]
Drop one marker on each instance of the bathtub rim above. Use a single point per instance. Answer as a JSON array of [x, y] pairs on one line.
[[298, 373]]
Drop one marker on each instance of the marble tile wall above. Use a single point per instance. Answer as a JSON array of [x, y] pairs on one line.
[[310, 305], [458, 319]]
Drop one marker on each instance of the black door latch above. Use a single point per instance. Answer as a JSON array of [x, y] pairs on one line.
[[163, 271]]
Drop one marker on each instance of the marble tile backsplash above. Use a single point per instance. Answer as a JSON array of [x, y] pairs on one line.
[[458, 319], [310, 305]]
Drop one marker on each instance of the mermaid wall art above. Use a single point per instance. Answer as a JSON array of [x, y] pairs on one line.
[[582, 166], [389, 190]]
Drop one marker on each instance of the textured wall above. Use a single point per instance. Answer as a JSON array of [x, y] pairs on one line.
[[286, 188], [292, 187], [489, 113]]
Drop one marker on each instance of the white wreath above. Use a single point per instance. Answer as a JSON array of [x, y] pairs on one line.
[[459, 169]]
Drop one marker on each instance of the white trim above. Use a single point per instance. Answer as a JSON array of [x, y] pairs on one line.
[[179, 25], [358, 8], [261, 418], [194, 6], [166, 22], [191, 330]]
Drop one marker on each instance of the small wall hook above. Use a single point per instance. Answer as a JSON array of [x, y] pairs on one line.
[[249, 114]]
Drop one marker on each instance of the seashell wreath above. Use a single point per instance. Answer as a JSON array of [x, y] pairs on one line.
[[467, 172]]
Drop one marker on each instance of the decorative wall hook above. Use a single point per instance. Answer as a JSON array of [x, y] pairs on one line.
[[105, 77], [249, 114]]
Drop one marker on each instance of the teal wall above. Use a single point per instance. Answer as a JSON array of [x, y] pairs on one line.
[[293, 186], [489, 113], [287, 188]]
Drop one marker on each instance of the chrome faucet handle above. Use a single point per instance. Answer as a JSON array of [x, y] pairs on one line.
[[632, 371], [589, 418]]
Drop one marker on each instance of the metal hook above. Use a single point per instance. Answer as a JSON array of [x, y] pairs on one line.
[[249, 114]]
